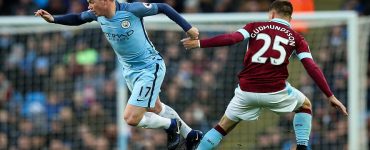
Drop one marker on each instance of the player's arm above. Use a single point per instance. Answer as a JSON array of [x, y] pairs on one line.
[[220, 40], [177, 18], [217, 41], [148, 9], [68, 19], [316, 74]]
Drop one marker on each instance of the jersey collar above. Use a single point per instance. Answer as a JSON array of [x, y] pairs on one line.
[[282, 21], [117, 6]]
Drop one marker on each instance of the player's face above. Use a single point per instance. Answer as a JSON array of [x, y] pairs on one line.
[[97, 6]]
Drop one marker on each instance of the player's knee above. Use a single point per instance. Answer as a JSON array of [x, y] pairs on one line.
[[306, 107], [307, 104], [132, 119]]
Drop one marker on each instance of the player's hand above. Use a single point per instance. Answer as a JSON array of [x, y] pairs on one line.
[[189, 43], [193, 33], [338, 105], [45, 15]]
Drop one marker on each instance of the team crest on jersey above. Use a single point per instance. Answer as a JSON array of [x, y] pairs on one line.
[[147, 5], [125, 24]]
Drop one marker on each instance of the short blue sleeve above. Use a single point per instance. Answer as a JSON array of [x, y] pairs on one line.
[[142, 9]]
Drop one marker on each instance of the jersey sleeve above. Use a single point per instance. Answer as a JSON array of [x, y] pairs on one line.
[[227, 39], [302, 49], [75, 19], [304, 54], [222, 40], [142, 9], [88, 16], [246, 30], [316, 74]]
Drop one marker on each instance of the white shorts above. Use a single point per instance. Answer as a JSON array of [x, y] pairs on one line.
[[248, 105]]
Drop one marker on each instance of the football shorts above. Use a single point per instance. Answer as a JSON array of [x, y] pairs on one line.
[[248, 105], [145, 84]]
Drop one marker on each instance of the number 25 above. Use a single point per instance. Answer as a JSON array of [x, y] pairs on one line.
[[257, 58]]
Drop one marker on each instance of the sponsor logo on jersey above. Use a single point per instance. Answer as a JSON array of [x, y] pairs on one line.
[[119, 37], [147, 5], [125, 24]]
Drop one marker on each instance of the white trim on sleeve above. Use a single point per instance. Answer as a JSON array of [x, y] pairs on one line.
[[304, 55], [245, 33]]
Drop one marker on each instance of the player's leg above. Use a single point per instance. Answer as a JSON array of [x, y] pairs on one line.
[[145, 87], [166, 111], [302, 124], [192, 136], [288, 100], [243, 106], [138, 116], [214, 136]]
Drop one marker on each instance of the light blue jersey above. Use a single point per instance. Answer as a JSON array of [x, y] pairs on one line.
[[126, 34], [144, 68]]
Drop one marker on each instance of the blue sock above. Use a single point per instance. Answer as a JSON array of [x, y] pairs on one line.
[[210, 140], [172, 125], [302, 128]]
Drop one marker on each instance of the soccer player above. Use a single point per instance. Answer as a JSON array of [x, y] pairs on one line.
[[144, 68], [262, 82]]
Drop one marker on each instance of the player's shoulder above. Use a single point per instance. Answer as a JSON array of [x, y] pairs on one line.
[[297, 34], [289, 27], [136, 5], [251, 25]]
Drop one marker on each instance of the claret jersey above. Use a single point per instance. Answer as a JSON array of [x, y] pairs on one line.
[[270, 46]]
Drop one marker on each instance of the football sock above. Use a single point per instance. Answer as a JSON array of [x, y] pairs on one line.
[[168, 112], [302, 126], [212, 138], [153, 121]]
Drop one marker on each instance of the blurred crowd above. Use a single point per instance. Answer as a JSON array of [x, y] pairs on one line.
[[56, 95], [58, 89]]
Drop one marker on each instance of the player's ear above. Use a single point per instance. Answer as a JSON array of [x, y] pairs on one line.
[[271, 14]]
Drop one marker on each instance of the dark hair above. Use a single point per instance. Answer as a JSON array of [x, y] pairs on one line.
[[282, 7]]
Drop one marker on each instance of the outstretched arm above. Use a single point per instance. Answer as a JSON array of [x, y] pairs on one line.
[[316, 74], [148, 9], [69, 19], [304, 54], [164, 8], [220, 40]]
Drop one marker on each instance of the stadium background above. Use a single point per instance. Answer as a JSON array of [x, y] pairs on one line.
[[57, 90]]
